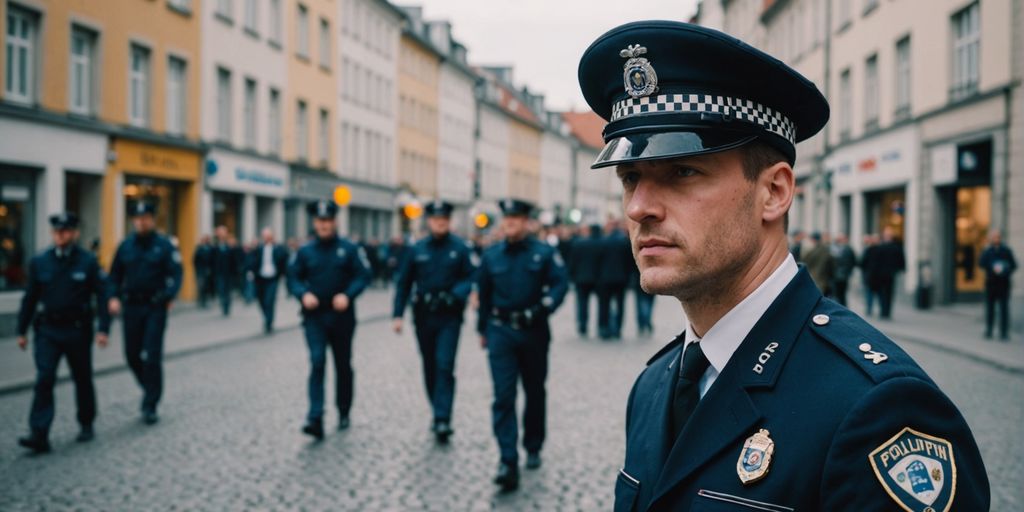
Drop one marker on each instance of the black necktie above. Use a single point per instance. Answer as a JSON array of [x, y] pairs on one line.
[[687, 389]]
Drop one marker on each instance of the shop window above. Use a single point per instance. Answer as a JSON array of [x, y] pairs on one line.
[[973, 219], [16, 226], [163, 194]]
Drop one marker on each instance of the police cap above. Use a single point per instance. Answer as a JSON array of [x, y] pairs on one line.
[[322, 209], [142, 208], [671, 89], [515, 207], [64, 220], [439, 208]]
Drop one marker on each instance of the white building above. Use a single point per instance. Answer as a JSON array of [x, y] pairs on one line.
[[492, 145], [367, 109], [596, 193], [556, 167], [457, 118], [243, 77]]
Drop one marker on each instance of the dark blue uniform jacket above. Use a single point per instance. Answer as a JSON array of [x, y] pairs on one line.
[[64, 290]]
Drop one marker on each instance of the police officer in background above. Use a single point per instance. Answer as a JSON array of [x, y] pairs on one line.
[[64, 286], [326, 275], [585, 270], [774, 397], [145, 277], [441, 267], [521, 282]]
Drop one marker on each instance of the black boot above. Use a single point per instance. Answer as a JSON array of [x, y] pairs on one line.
[[533, 460], [442, 431], [507, 477], [314, 429], [86, 434], [36, 441]]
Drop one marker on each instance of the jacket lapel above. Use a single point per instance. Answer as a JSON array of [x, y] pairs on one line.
[[727, 413]]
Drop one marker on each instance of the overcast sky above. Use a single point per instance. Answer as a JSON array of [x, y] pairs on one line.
[[543, 39]]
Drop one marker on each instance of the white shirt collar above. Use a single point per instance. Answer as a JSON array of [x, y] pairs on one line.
[[719, 343]]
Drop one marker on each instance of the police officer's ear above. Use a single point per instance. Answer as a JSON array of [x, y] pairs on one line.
[[776, 187]]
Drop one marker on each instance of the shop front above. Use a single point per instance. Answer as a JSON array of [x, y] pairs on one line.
[[166, 177], [306, 185], [244, 194], [874, 187], [44, 168]]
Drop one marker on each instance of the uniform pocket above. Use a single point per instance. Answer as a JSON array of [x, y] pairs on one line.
[[626, 489], [711, 501]]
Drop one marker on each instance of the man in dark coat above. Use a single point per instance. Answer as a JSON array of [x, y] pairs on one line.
[[886, 261], [227, 266], [845, 260], [267, 264], [773, 398], [202, 263], [999, 264], [612, 280], [584, 266]]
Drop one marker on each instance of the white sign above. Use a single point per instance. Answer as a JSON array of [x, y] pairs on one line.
[[944, 164], [236, 173]]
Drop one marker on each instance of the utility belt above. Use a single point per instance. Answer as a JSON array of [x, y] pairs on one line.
[[520, 318], [142, 298], [70, 319], [437, 302]]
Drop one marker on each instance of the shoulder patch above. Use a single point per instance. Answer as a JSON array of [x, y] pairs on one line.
[[916, 470]]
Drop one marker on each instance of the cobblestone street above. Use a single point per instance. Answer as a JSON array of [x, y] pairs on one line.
[[229, 435]]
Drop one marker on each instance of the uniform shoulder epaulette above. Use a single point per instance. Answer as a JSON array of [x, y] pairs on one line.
[[665, 350], [873, 352]]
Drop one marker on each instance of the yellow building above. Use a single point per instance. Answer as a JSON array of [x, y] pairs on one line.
[[524, 160], [418, 77], [100, 109]]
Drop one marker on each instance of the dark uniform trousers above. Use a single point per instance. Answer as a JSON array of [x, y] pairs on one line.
[[266, 294], [52, 343], [438, 338], [144, 326], [225, 286], [516, 354], [325, 328], [611, 301], [583, 293]]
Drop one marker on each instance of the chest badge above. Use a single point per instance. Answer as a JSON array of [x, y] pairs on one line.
[[340, 252], [78, 276], [916, 470], [453, 255], [755, 458]]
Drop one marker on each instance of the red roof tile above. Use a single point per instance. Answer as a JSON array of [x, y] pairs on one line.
[[587, 127]]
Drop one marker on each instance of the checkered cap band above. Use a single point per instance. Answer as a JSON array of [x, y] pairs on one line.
[[744, 110]]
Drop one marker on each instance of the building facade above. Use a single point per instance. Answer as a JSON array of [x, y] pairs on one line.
[[556, 169], [367, 110]]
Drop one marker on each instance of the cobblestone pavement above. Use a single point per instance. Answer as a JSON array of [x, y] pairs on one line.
[[229, 439]]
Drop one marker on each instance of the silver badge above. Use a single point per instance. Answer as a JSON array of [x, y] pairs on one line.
[[638, 76]]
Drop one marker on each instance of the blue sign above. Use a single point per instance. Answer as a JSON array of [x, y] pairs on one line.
[[258, 177]]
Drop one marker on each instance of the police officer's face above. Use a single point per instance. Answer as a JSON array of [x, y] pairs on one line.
[[144, 223], [696, 223], [514, 226], [325, 227], [438, 225], [62, 237]]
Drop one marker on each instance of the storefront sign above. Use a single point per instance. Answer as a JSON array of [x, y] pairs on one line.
[[880, 161], [231, 172]]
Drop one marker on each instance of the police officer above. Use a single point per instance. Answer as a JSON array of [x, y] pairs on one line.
[[64, 281], [326, 275], [613, 278], [145, 277], [585, 270], [773, 398], [441, 267], [521, 282]]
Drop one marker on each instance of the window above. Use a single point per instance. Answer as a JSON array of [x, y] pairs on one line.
[[83, 43], [21, 64], [346, 166], [224, 8], [251, 15], [177, 86], [276, 19], [301, 132], [344, 77], [325, 44], [845, 105], [966, 43], [274, 122], [356, 23], [357, 142], [843, 14], [223, 105], [181, 5], [871, 93], [302, 32], [249, 114], [138, 89], [324, 141], [869, 5], [903, 78]]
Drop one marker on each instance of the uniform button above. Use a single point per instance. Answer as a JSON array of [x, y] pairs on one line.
[[865, 347], [820, 319]]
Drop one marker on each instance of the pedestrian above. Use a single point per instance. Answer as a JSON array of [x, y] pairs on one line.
[[522, 281], [145, 277], [268, 263], [202, 263], [999, 264], [616, 264], [226, 268], [644, 305], [327, 275], [440, 267], [584, 266], [887, 261], [820, 263], [867, 262], [396, 255], [772, 398], [64, 294], [845, 260], [796, 244]]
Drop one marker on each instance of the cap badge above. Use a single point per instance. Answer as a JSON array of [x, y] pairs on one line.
[[638, 76]]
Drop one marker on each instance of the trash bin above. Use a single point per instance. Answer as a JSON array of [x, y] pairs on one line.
[[924, 285]]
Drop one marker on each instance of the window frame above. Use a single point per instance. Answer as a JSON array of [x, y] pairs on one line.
[[965, 65], [872, 93], [88, 63], [903, 77], [274, 121], [250, 113], [30, 24], [302, 31], [302, 130], [181, 97], [224, 105], [146, 88]]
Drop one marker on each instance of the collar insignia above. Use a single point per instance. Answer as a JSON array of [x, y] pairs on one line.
[[638, 76], [917, 471]]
